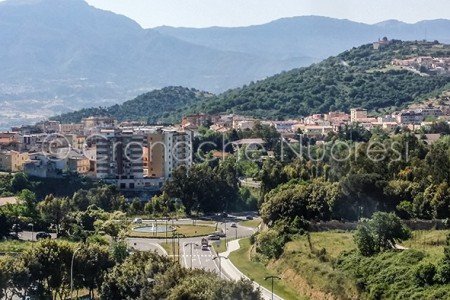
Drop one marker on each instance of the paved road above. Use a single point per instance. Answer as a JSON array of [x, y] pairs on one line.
[[231, 272], [142, 244]]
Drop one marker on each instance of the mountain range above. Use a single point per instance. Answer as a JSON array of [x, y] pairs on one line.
[[59, 56], [360, 77]]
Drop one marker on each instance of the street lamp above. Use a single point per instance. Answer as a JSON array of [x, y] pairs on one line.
[[32, 232], [272, 278], [192, 253], [71, 270], [220, 262]]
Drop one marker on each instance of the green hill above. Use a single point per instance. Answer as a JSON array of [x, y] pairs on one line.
[[163, 105], [361, 77]]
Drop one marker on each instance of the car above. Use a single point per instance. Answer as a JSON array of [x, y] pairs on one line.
[[205, 248], [224, 215], [205, 242], [233, 225], [213, 237], [220, 233], [249, 218], [137, 221], [43, 235]]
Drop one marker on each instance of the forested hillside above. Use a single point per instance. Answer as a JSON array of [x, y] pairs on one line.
[[358, 77], [165, 104]]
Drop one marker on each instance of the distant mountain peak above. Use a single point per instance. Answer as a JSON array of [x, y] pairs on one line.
[[391, 22]]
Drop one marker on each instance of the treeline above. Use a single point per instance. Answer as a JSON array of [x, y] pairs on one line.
[[164, 105], [109, 272], [402, 174]]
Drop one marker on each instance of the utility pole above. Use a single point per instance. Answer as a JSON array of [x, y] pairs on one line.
[[192, 250], [272, 278]]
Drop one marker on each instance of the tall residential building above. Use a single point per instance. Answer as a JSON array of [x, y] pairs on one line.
[[178, 150], [119, 157], [166, 150]]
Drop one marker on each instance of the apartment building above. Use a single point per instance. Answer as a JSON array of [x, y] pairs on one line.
[[119, 154], [178, 150], [13, 161], [357, 114]]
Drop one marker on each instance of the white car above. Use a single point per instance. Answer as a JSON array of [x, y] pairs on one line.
[[137, 221]]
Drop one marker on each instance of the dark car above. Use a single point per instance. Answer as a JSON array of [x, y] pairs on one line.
[[249, 217], [43, 235]]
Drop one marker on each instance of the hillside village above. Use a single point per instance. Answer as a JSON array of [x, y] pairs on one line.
[[138, 157]]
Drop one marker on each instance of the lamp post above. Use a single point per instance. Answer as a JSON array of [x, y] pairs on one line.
[[192, 252], [225, 223], [220, 257], [71, 270], [272, 278], [183, 236], [166, 229], [32, 233]]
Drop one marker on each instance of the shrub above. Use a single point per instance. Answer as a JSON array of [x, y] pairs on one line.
[[271, 243], [424, 274], [443, 273], [381, 232]]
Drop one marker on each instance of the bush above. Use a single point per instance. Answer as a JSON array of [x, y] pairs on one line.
[[381, 232], [424, 274], [443, 273], [271, 243]]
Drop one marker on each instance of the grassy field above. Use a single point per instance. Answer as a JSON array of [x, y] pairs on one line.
[[257, 272], [219, 246], [170, 248], [307, 265], [251, 223], [186, 230], [431, 242]]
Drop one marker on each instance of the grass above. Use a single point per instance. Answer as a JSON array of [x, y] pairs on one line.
[[251, 223], [257, 272], [431, 242], [14, 246], [170, 248], [186, 230], [219, 246]]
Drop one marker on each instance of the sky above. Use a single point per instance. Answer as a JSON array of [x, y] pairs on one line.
[[232, 13]]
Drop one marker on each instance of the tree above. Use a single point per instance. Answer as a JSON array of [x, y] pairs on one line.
[[19, 182], [5, 224], [130, 279], [90, 265], [203, 286], [383, 231], [54, 211], [48, 263]]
